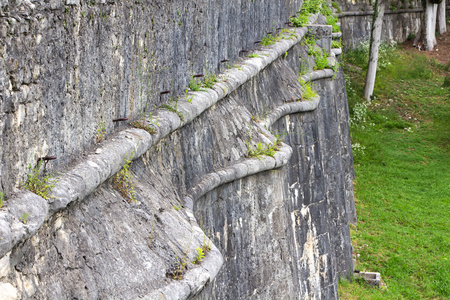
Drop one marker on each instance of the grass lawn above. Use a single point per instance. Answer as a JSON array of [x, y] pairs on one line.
[[401, 150]]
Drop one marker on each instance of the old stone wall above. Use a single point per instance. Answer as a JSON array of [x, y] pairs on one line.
[[402, 19], [276, 225], [68, 66]]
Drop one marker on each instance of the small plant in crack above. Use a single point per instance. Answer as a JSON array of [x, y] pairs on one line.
[[200, 255], [308, 92], [101, 132], [180, 268], [24, 218], [209, 81], [195, 84], [39, 182], [252, 55], [174, 110], [279, 139], [189, 98], [124, 183], [2, 199], [147, 124], [261, 149], [203, 250]]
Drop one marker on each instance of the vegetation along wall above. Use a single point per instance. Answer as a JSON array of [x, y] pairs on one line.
[[161, 179]]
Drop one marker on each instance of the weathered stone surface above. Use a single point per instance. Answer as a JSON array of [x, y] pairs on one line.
[[279, 225], [67, 66]]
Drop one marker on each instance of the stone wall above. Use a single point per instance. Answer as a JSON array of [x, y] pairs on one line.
[[402, 19], [67, 66], [277, 226]]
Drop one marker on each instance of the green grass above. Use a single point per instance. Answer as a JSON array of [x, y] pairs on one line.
[[402, 161]]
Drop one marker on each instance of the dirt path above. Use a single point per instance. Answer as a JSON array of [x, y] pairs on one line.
[[441, 52]]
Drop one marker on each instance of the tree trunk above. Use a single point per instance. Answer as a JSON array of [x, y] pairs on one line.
[[375, 40], [442, 28], [429, 26]]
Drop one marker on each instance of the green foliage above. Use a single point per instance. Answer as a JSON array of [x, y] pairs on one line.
[[411, 36], [312, 6], [446, 81], [173, 109], [142, 124], [336, 7], [269, 39], [200, 255], [261, 149], [300, 20], [360, 56], [309, 7], [24, 218], [309, 41], [199, 85], [308, 92], [177, 208], [393, 6], [2, 198], [209, 81], [39, 182], [401, 165], [195, 84], [252, 55], [320, 57], [331, 20], [326, 10], [189, 98], [321, 60], [336, 44], [123, 181], [101, 132]]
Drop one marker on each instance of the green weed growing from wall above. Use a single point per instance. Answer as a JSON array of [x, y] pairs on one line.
[[123, 181], [39, 182]]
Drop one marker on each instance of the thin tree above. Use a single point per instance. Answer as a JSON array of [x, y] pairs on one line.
[[375, 40], [426, 39], [441, 28]]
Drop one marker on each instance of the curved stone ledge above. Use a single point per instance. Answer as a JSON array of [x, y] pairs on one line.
[[290, 108], [316, 75], [336, 51], [194, 279], [249, 166], [299, 106], [336, 35]]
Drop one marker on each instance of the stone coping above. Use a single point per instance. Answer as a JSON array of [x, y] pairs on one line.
[[336, 51], [387, 12], [336, 35]]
